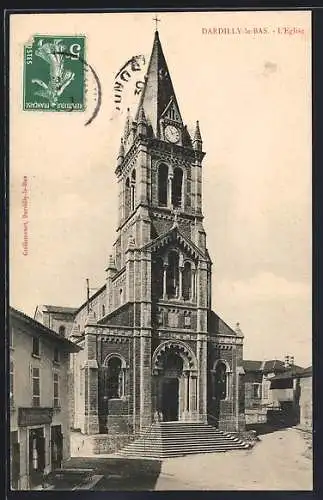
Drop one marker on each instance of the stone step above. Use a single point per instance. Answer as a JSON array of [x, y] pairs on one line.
[[171, 439], [174, 444], [174, 453]]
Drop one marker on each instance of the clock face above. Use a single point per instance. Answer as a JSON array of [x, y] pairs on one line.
[[172, 133]]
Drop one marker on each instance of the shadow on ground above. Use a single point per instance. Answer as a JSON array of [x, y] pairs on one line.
[[120, 474], [262, 429]]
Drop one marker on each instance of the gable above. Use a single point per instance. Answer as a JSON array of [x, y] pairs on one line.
[[174, 236], [216, 325], [172, 112]]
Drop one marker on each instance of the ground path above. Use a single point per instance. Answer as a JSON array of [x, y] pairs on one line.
[[280, 461]]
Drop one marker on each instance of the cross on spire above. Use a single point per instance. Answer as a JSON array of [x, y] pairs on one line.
[[156, 21]]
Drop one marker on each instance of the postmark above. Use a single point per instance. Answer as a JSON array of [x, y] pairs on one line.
[[129, 77], [54, 73]]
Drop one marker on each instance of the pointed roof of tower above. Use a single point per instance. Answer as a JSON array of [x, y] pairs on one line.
[[127, 126], [158, 89], [197, 133], [141, 117]]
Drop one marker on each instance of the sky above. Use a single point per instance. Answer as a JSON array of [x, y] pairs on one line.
[[252, 96]]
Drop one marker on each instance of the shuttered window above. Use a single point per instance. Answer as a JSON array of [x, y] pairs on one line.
[[36, 386]]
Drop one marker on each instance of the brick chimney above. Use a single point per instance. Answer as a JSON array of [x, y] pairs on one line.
[[286, 361]]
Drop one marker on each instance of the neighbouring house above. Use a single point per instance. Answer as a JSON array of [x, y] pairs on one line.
[[291, 394], [257, 378], [39, 399], [306, 399]]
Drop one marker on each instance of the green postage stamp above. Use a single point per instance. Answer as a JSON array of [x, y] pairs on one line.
[[54, 73]]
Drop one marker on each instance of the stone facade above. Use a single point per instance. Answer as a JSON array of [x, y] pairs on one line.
[[153, 348]]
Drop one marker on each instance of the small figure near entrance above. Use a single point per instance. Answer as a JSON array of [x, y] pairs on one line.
[[158, 416]]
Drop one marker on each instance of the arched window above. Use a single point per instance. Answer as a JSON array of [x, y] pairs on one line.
[[133, 190], [121, 296], [187, 281], [162, 185], [62, 330], [127, 197], [172, 281], [177, 187], [103, 310], [220, 381], [158, 277], [114, 378]]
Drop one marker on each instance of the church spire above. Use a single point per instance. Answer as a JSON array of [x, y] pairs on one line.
[[197, 140], [141, 121], [120, 156], [127, 126], [158, 90]]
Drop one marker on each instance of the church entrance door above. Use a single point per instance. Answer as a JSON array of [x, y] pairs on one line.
[[170, 399]]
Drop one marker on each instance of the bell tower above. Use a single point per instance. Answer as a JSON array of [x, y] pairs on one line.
[[160, 251]]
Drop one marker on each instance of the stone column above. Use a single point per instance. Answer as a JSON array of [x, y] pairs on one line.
[[145, 380], [129, 258], [193, 399], [91, 397], [169, 191], [180, 291], [155, 390], [91, 377], [188, 392], [192, 284], [165, 283], [143, 174]]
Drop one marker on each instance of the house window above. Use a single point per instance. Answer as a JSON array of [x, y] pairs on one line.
[[172, 281], [56, 355], [220, 381], [36, 346], [11, 382], [115, 378], [162, 185], [62, 330], [56, 390], [36, 387], [256, 391], [177, 183]]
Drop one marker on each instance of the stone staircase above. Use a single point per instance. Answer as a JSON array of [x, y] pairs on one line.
[[174, 439]]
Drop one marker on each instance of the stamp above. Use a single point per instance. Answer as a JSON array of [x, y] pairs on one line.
[[54, 73]]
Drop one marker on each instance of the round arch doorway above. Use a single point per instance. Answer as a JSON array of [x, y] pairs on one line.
[[174, 382]]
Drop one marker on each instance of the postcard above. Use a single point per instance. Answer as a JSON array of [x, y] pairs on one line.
[[160, 251]]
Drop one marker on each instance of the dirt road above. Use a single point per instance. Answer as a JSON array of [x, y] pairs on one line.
[[280, 461]]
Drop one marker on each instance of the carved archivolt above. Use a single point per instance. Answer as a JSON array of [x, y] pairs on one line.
[[177, 347]]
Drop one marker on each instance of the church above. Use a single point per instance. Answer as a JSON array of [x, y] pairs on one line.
[[152, 348]]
